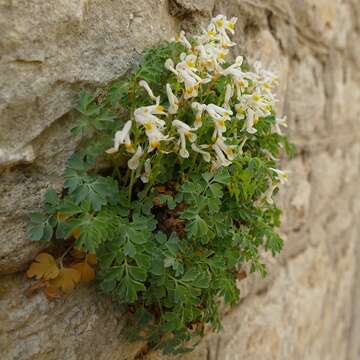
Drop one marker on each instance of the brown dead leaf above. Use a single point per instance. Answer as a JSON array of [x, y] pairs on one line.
[[44, 266], [52, 292], [67, 279], [77, 254], [161, 189], [34, 288], [241, 275], [86, 271], [61, 217], [91, 259], [157, 201], [76, 233]]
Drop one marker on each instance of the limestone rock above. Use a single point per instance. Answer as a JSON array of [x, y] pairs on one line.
[[309, 307], [83, 325]]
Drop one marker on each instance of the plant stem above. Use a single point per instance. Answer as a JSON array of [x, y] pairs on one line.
[[132, 178]]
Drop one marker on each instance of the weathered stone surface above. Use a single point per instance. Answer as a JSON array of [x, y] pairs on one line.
[[81, 326], [309, 307]]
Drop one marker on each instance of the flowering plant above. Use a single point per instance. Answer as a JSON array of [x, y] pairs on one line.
[[185, 137]]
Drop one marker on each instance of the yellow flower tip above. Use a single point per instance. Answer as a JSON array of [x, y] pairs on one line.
[[159, 108], [222, 55], [190, 63], [231, 26], [148, 125], [211, 33], [221, 122], [189, 90], [155, 144], [256, 97], [129, 147], [267, 107], [198, 118], [220, 22]]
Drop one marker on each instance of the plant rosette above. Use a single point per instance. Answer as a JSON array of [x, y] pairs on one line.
[[186, 136]]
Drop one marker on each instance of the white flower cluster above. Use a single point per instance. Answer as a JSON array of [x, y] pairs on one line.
[[248, 97]]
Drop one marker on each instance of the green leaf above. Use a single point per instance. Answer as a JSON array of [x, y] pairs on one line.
[[157, 266], [216, 190], [222, 176], [129, 249], [190, 275], [37, 218], [48, 232], [202, 281], [137, 273], [36, 232], [142, 260], [207, 176]]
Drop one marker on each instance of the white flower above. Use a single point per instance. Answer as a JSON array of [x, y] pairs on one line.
[[219, 115], [189, 78], [263, 76], [173, 100], [220, 157], [240, 111], [282, 175], [228, 95], [217, 112], [185, 132], [147, 170], [155, 137], [269, 192], [228, 150], [279, 122], [199, 149], [186, 73], [169, 64], [133, 163], [222, 24], [146, 86], [199, 108], [189, 61], [251, 119], [122, 137], [146, 115], [183, 40]]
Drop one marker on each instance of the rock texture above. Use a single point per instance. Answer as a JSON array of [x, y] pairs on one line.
[[309, 307]]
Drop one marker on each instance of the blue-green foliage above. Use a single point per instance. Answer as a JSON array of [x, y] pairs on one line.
[[168, 254]]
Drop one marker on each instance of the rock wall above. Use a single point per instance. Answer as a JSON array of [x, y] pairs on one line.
[[309, 307]]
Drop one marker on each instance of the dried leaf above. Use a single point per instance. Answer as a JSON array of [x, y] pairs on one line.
[[86, 271], [44, 266], [161, 189], [67, 279], [76, 233], [77, 254], [34, 288], [91, 259], [52, 292], [241, 275], [61, 216]]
